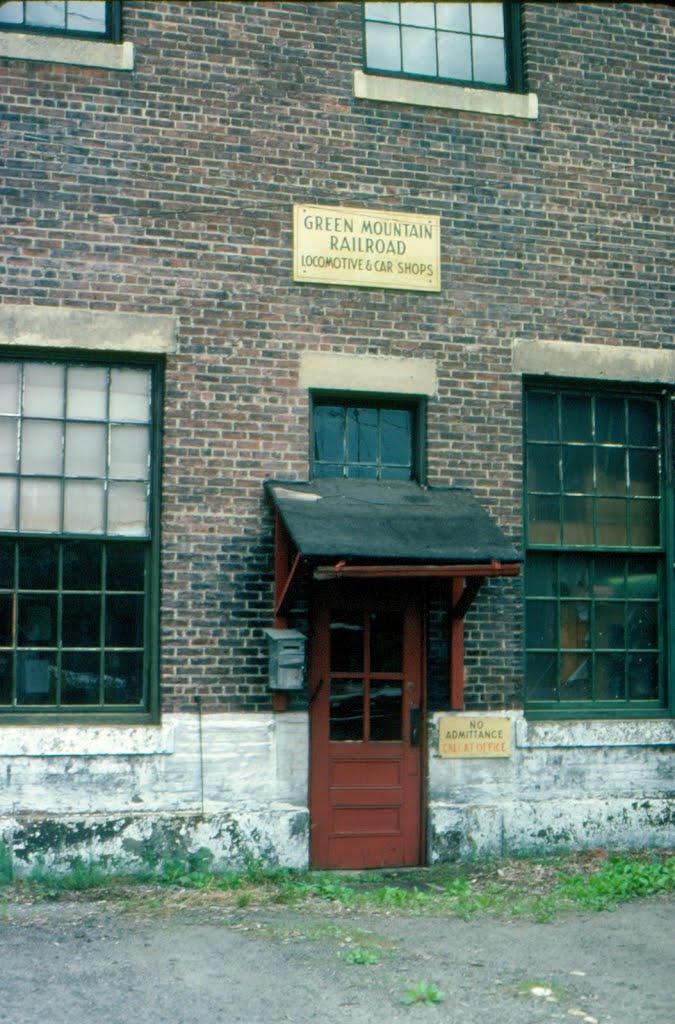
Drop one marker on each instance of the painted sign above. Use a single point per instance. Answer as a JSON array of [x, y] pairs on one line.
[[366, 248], [474, 737]]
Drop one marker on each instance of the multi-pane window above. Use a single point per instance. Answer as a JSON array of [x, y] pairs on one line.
[[596, 545], [99, 19], [475, 43], [76, 535], [371, 440]]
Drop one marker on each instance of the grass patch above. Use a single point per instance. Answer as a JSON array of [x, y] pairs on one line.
[[536, 888]]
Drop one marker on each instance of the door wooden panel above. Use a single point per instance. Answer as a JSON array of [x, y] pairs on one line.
[[365, 681]]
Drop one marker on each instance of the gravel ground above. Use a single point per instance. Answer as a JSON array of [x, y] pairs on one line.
[[94, 962]]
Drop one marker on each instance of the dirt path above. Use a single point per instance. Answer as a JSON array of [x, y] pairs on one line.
[[67, 963]]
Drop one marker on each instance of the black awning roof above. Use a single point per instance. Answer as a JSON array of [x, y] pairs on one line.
[[388, 521]]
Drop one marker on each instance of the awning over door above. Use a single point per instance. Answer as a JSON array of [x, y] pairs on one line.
[[364, 529], [388, 521]]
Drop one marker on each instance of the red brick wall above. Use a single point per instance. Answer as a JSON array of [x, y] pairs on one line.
[[170, 189]]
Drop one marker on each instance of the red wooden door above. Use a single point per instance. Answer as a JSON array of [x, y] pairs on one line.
[[366, 718]]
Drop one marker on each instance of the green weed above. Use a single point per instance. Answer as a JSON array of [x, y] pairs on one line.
[[424, 993], [6, 871], [360, 955]]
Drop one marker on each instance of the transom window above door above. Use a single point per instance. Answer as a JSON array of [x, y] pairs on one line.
[[375, 440]]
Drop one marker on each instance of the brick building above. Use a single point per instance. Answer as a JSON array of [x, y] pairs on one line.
[[336, 457]]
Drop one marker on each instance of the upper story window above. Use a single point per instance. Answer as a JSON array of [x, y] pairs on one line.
[[95, 19], [375, 440], [468, 43]]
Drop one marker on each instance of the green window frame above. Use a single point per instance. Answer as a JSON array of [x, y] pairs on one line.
[[598, 539], [472, 43], [79, 533], [84, 19], [368, 438]]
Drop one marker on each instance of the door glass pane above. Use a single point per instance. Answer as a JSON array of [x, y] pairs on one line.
[[8, 445], [87, 394], [42, 447], [43, 390], [80, 682], [346, 709], [346, 643], [85, 449], [83, 506], [386, 642], [385, 711], [130, 396], [123, 680]]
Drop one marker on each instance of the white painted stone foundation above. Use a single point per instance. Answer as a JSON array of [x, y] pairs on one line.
[[134, 795], [567, 785], [143, 795]]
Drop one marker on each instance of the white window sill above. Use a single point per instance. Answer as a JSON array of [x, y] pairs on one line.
[[63, 50], [383, 89]]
